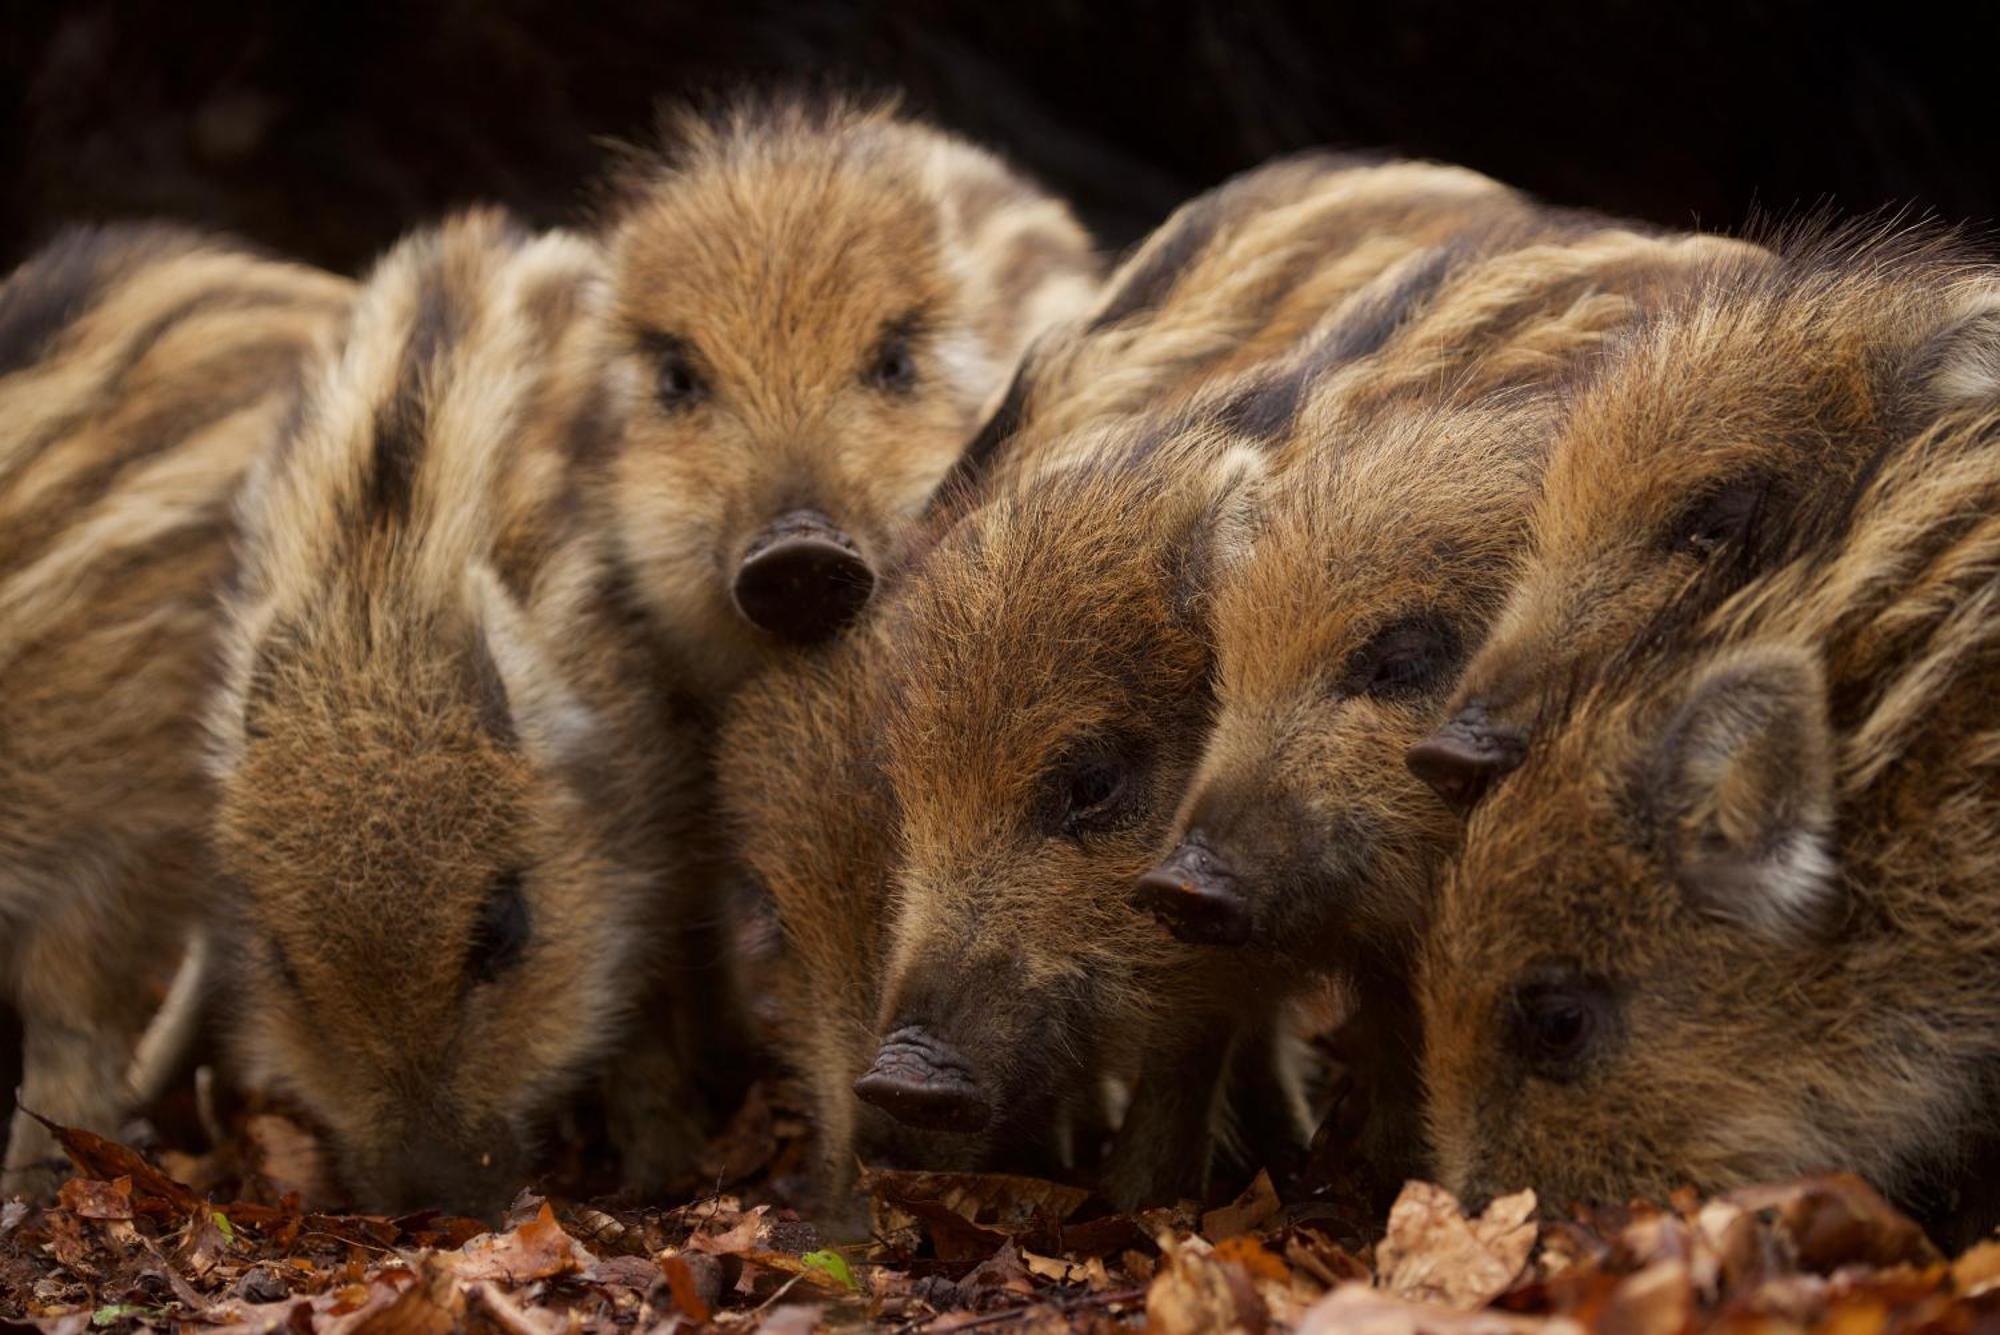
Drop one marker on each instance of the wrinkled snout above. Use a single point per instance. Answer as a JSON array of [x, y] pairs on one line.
[[1468, 755], [1193, 893], [923, 1081], [802, 579]]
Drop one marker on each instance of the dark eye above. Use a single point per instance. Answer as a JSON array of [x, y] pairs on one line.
[[500, 934], [1406, 657], [893, 368], [677, 384], [1558, 1025], [1717, 518], [1087, 795]]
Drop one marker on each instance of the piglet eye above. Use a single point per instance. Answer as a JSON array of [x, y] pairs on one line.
[[500, 933], [1406, 657], [1717, 518], [677, 384], [894, 367], [1558, 1026], [1092, 787], [1087, 795]]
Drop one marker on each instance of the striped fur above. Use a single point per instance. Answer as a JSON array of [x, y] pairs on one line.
[[1769, 401], [1754, 846], [1063, 632], [765, 267], [456, 793], [141, 371], [1232, 280], [1380, 554], [1242, 276]]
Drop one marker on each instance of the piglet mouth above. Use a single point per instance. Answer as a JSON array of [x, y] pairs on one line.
[[924, 1082], [802, 578]]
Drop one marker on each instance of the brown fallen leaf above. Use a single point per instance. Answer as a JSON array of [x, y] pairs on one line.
[[430, 1303], [1839, 1220], [1433, 1253], [204, 1246], [287, 1156], [1003, 1202], [1257, 1206], [1978, 1271], [1658, 1300], [1356, 1309], [687, 1291], [92, 1199], [740, 1237], [536, 1250], [1000, 1274], [107, 1160], [1324, 1259], [1195, 1293], [504, 1314]]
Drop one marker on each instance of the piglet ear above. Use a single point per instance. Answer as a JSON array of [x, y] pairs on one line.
[[1224, 526], [524, 698], [1964, 356], [1744, 788]]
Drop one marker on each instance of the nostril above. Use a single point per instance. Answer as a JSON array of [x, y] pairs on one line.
[[1194, 895], [1465, 757], [802, 578], [922, 1081]]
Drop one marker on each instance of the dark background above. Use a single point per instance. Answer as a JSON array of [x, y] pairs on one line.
[[326, 130]]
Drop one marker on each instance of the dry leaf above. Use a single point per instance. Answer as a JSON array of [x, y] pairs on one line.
[[1355, 1309], [1433, 1253], [1257, 1206], [1839, 1220], [1195, 1293], [507, 1315], [287, 1157], [1659, 1300], [97, 1200], [535, 1250], [1978, 1271]]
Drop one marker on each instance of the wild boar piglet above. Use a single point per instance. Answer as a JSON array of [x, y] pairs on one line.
[[1729, 438], [813, 304], [142, 368], [1732, 917], [1383, 548], [459, 794]]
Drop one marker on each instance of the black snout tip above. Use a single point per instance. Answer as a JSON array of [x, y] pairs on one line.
[[1194, 896], [802, 579], [1466, 757], [922, 1082]]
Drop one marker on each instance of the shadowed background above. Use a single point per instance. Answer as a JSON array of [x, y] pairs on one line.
[[327, 130]]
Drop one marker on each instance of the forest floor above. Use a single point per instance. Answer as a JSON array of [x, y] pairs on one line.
[[233, 1240]]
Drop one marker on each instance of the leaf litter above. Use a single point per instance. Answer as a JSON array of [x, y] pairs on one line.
[[129, 1245]]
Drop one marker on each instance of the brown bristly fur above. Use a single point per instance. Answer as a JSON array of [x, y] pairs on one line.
[[1732, 919], [141, 370], [1375, 569], [1769, 403], [1057, 639], [773, 254], [459, 797], [1233, 279], [1244, 269]]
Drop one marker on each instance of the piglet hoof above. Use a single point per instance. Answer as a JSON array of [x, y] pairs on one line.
[[802, 579], [1193, 893], [922, 1081]]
